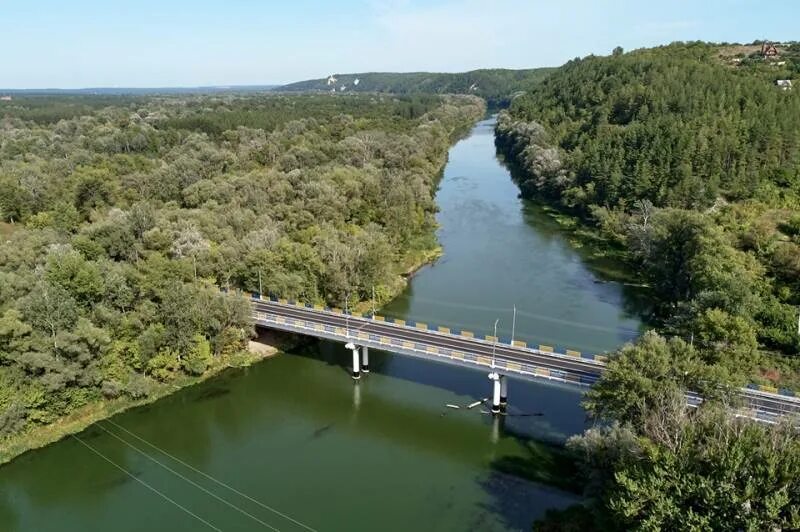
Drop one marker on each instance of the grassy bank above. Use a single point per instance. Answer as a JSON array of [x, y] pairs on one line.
[[85, 416]]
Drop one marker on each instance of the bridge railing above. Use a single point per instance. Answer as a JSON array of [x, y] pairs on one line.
[[540, 348], [751, 409], [421, 349], [600, 360]]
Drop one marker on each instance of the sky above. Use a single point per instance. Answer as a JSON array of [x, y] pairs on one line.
[[167, 43]]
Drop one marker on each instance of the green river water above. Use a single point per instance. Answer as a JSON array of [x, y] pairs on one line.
[[292, 444]]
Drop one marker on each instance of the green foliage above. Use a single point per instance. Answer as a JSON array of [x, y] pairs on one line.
[[692, 163], [130, 213], [704, 472], [164, 365], [496, 86], [673, 125], [658, 465], [643, 376], [198, 357]]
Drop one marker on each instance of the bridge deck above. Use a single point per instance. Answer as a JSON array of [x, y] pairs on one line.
[[525, 362]]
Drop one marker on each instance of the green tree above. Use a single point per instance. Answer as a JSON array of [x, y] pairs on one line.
[[198, 357], [50, 309]]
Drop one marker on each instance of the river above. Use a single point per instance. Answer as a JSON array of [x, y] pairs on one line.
[[292, 444]]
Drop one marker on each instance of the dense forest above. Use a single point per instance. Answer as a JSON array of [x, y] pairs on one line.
[[496, 86], [123, 216], [688, 157], [654, 464]]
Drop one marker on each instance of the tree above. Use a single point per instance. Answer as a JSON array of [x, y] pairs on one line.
[[659, 465], [50, 309], [198, 357], [715, 473], [645, 376], [92, 191]]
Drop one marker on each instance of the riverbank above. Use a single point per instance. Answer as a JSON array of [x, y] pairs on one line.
[[758, 359], [288, 431], [86, 416], [607, 257]]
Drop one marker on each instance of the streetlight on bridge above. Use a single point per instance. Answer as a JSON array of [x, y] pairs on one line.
[[494, 344], [513, 324]]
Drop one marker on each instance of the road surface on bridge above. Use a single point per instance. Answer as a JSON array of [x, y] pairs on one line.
[[525, 362]]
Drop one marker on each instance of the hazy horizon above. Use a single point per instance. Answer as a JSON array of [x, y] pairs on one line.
[[91, 44]]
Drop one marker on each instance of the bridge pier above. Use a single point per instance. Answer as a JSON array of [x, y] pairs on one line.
[[356, 360], [495, 377], [503, 393], [365, 359]]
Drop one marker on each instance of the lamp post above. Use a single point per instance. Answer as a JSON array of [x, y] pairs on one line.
[[373, 302], [494, 344], [346, 315], [513, 324]]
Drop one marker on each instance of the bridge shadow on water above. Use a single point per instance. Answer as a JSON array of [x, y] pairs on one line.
[[546, 412], [539, 474]]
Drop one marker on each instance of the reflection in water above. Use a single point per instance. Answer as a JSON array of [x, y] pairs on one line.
[[501, 251], [295, 433], [356, 396]]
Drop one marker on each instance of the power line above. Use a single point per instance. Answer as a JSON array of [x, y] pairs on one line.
[[190, 481], [145, 484], [206, 475]]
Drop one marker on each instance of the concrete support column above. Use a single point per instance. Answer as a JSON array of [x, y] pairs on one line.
[[365, 359], [356, 360], [495, 392], [503, 393]]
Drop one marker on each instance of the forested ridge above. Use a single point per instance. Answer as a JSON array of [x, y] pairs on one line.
[[686, 159], [121, 219], [496, 85], [689, 159]]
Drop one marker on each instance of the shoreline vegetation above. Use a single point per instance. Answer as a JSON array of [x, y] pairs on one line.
[[84, 417], [122, 217], [708, 226], [648, 151]]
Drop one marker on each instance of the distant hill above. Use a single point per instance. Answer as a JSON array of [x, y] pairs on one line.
[[495, 85]]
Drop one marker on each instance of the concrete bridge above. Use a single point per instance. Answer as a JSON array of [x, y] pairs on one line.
[[464, 348]]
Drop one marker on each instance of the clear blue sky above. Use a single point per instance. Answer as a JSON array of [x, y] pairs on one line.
[[146, 43]]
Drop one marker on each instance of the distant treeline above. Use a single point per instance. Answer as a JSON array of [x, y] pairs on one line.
[[496, 86]]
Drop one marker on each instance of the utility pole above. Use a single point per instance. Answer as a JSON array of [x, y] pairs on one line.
[[373, 303], [494, 344], [513, 324], [260, 291], [347, 315]]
